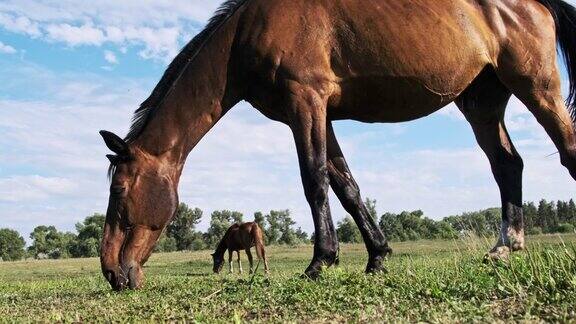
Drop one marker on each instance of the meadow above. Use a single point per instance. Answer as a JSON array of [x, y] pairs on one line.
[[435, 281]]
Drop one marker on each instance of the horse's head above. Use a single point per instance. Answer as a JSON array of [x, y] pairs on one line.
[[218, 262], [142, 201]]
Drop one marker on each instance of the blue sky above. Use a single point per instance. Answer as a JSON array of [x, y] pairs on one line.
[[70, 68]]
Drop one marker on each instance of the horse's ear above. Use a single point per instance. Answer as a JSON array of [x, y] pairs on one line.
[[114, 159], [114, 142]]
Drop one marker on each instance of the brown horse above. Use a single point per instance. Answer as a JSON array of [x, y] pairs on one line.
[[306, 63], [240, 237]]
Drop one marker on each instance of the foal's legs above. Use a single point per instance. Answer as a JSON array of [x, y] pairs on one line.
[[307, 119], [230, 266], [348, 192], [239, 263], [483, 104], [250, 260], [261, 253]]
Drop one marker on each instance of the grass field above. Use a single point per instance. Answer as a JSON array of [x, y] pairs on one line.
[[427, 281]]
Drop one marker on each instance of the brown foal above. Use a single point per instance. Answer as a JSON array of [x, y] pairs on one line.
[[240, 237], [306, 63]]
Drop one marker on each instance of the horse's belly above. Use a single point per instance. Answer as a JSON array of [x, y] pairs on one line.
[[402, 60], [388, 99]]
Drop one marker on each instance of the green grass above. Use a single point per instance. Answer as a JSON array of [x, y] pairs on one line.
[[432, 281]]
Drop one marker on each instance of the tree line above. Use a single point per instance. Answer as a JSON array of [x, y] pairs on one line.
[[547, 217], [279, 228], [180, 235]]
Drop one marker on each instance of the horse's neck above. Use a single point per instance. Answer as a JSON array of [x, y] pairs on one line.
[[222, 246], [198, 99]]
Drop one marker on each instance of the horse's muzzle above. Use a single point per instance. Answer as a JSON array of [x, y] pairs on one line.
[[115, 277]]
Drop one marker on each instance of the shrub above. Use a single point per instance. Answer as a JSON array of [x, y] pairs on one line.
[[565, 228]]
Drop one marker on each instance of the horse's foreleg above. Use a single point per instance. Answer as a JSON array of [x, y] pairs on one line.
[[230, 266], [307, 119], [348, 192]]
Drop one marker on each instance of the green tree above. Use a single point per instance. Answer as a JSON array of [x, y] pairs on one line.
[[220, 221], [87, 242], [546, 216], [48, 242], [182, 229], [166, 244], [259, 219], [348, 232], [371, 206], [302, 236], [273, 230], [279, 229], [572, 212], [11, 245], [443, 230], [530, 216], [391, 227], [288, 233]]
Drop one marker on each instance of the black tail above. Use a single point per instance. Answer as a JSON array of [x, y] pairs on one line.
[[565, 18]]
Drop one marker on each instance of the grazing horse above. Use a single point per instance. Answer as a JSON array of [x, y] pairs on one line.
[[240, 237], [306, 63]]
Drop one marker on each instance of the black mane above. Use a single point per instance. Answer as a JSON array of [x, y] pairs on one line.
[[146, 110]]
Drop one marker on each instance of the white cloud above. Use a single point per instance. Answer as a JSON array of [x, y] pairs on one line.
[[110, 57], [157, 28], [27, 189], [7, 49], [85, 34], [20, 24]]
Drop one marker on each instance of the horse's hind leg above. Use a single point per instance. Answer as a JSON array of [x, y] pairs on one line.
[[250, 260], [483, 104], [261, 253], [348, 192], [530, 70], [542, 96]]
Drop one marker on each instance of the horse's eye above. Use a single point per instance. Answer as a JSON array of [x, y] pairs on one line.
[[117, 190]]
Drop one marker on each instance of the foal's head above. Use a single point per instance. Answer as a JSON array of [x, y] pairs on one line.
[[218, 262], [142, 201]]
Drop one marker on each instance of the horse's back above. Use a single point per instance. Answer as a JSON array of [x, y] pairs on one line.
[[379, 60], [410, 56], [242, 236]]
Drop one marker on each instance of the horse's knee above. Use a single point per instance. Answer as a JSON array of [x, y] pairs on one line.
[[351, 199], [316, 187], [508, 168]]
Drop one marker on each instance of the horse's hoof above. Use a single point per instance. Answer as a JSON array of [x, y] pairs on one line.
[[313, 271], [498, 254], [376, 261], [375, 267], [311, 274]]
